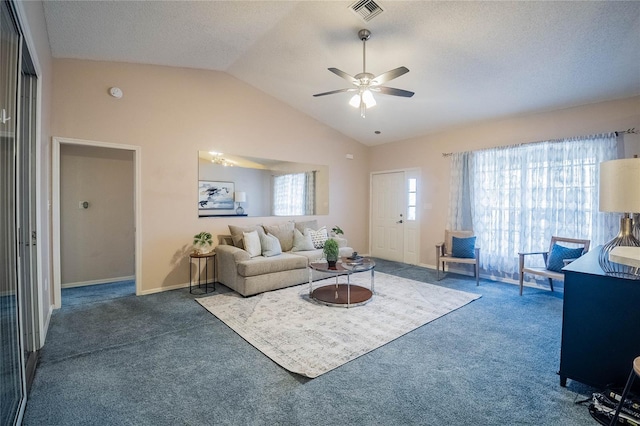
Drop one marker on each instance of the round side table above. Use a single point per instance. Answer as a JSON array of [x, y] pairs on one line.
[[208, 258]]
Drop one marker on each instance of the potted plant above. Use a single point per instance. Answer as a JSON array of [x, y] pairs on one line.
[[336, 230], [331, 252], [203, 242]]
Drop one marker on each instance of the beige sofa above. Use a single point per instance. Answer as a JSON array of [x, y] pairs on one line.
[[238, 270]]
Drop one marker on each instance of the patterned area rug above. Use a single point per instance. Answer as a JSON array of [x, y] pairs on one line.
[[308, 338]]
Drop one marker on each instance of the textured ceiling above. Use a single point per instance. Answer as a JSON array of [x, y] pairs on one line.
[[468, 61]]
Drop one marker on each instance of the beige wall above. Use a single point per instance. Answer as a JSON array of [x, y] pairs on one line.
[[426, 152], [172, 113], [97, 243]]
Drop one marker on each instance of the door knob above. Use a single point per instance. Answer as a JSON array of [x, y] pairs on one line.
[[400, 221]]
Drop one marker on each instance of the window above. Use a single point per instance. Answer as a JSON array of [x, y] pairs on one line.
[[294, 194], [516, 198], [412, 198]]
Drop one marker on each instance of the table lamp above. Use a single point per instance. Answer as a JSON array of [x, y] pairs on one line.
[[620, 193], [240, 197]]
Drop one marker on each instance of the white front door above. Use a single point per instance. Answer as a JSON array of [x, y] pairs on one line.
[[388, 200]]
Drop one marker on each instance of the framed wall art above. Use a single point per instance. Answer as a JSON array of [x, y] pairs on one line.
[[215, 195]]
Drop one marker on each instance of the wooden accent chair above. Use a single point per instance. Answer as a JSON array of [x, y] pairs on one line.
[[444, 254], [542, 270]]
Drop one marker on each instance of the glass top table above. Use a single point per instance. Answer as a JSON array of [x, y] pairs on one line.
[[343, 293]]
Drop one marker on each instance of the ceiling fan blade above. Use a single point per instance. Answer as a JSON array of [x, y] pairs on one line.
[[336, 91], [344, 75], [392, 91], [389, 75]]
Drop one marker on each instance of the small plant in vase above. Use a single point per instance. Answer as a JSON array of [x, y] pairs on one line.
[[202, 242], [331, 252]]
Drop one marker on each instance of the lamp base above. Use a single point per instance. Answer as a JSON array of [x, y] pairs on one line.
[[625, 238], [239, 210]]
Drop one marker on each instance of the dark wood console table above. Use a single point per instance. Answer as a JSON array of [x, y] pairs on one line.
[[600, 320]]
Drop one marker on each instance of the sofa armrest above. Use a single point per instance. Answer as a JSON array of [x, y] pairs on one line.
[[227, 258], [232, 253]]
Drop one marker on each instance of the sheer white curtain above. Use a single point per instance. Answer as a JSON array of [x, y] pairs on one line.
[[519, 196], [294, 194]]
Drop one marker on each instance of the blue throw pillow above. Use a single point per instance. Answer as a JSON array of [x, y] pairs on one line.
[[463, 247], [558, 254]]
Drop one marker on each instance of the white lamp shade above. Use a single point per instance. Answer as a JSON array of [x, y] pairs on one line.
[[620, 186], [367, 98], [240, 197]]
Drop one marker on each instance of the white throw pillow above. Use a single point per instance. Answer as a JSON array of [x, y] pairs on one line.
[[302, 242], [318, 237], [251, 242], [270, 245]]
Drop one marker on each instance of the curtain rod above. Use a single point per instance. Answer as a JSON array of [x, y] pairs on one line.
[[631, 131], [618, 133]]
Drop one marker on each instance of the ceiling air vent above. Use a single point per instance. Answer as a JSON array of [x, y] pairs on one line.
[[366, 9]]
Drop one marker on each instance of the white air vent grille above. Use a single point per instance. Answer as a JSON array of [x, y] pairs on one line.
[[366, 9]]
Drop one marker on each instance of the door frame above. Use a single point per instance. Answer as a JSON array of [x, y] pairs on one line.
[[137, 208], [411, 172]]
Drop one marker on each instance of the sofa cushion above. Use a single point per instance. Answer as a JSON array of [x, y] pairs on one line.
[[270, 245], [301, 242], [283, 232], [311, 224], [318, 237], [266, 265], [236, 233], [251, 241]]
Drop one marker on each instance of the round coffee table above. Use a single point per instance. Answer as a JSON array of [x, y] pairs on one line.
[[343, 293]]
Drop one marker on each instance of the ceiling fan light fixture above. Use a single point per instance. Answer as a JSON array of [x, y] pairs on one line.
[[366, 82], [367, 98], [355, 101]]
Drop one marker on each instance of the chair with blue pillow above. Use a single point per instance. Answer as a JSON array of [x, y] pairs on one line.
[[556, 258], [458, 247]]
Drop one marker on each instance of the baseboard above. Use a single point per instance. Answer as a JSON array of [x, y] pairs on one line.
[[161, 289], [96, 282]]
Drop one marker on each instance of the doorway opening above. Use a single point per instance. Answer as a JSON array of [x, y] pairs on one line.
[[91, 211]]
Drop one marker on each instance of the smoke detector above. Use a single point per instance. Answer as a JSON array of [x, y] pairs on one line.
[[366, 9]]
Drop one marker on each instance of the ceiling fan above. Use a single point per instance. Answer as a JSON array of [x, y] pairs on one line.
[[365, 83]]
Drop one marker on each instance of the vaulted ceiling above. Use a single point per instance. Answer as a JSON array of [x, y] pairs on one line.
[[468, 61]]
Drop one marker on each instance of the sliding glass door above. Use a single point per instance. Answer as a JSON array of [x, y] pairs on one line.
[[12, 391], [26, 203]]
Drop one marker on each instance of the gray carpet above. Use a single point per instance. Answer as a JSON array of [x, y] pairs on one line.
[[97, 293], [164, 360]]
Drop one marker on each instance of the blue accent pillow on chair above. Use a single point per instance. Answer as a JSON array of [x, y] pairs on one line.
[[558, 254], [463, 247]]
